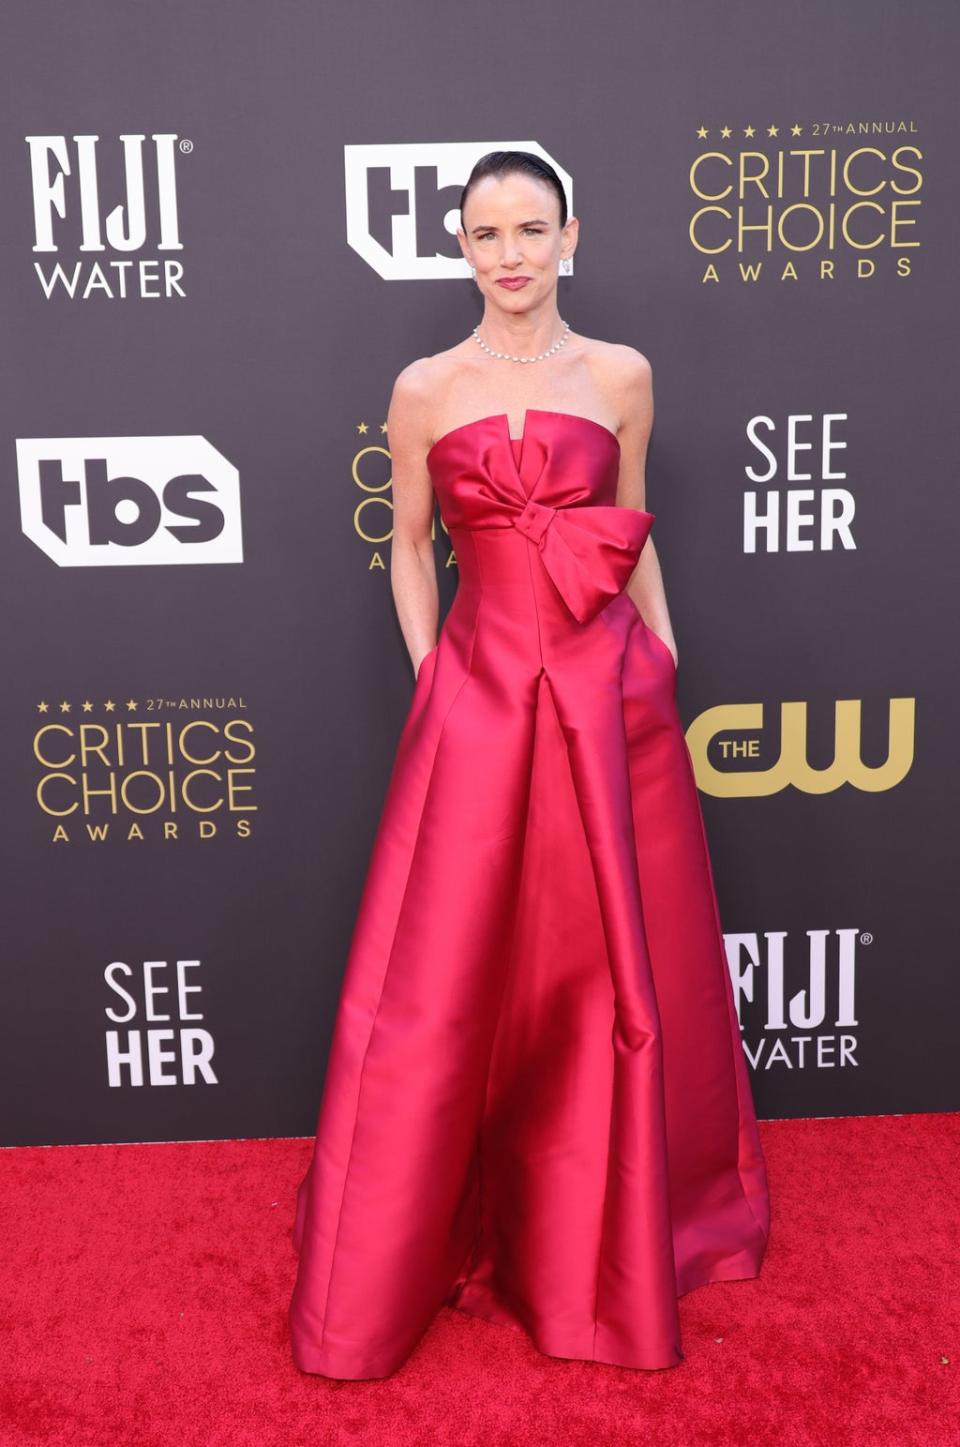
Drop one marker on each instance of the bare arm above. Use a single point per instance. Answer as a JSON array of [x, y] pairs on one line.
[[645, 585], [413, 571]]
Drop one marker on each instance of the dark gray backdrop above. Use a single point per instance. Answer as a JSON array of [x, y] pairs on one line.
[[265, 619]]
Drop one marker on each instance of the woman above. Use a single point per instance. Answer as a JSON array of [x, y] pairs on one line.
[[536, 1107]]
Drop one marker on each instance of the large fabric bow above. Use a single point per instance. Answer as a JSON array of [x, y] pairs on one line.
[[588, 552]]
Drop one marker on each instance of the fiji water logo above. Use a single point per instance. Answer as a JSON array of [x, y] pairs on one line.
[[107, 217], [403, 203], [89, 502], [796, 999]]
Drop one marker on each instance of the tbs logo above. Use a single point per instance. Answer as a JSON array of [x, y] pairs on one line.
[[403, 203], [92, 502]]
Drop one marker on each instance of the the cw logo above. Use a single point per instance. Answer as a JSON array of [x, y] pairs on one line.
[[792, 766], [403, 203]]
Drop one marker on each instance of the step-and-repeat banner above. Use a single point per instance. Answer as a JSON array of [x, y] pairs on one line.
[[225, 230]]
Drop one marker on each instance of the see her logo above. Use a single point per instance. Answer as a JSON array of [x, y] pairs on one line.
[[165, 1050]]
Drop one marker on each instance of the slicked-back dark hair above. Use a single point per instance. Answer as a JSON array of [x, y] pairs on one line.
[[506, 163]]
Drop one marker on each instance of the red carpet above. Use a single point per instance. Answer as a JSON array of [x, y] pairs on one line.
[[145, 1291]]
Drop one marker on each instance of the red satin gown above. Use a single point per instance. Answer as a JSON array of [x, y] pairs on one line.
[[536, 1106]]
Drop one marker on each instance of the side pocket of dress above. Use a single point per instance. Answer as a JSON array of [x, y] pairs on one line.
[[650, 633], [424, 662], [660, 643]]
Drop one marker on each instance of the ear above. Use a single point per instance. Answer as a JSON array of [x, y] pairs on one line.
[[570, 236]]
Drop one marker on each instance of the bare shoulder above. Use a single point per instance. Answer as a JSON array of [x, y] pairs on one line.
[[421, 380], [414, 383], [413, 402], [625, 375], [633, 366], [622, 368], [409, 416]]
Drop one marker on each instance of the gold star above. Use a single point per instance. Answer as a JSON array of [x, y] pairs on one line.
[[748, 130], [725, 132], [795, 130], [361, 427], [383, 426], [43, 708], [109, 705], [772, 131], [64, 708], [131, 706], [702, 133], [87, 706]]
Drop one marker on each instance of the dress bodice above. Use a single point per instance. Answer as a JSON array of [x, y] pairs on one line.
[[552, 490], [562, 459]]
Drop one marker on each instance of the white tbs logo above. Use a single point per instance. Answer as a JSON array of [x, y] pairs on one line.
[[91, 502], [403, 204]]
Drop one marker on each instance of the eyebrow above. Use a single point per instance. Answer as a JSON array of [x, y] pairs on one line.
[[538, 222]]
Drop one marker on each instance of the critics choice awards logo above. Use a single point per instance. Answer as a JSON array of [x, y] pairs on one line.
[[813, 201], [133, 769]]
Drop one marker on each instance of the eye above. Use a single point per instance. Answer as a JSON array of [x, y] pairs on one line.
[[530, 230]]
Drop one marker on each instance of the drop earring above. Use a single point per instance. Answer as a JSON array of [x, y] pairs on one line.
[[566, 266], [473, 272]]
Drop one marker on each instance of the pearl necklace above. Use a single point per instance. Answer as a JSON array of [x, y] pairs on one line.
[[506, 356]]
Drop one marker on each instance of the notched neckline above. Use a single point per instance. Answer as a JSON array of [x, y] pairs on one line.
[[504, 418]]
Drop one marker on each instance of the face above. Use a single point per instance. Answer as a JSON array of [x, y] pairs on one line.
[[512, 234]]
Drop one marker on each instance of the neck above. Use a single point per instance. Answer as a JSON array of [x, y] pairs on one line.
[[525, 334]]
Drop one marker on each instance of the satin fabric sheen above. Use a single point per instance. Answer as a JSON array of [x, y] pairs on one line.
[[537, 1107]]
